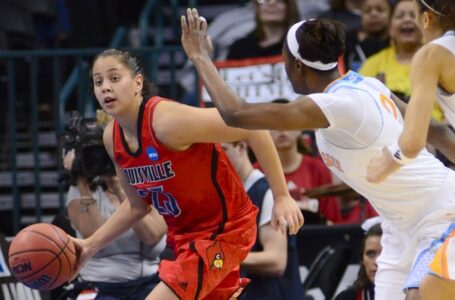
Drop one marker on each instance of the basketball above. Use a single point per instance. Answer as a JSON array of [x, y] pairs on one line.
[[42, 256]]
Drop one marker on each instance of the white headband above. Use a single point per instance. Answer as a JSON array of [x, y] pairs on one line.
[[293, 46], [431, 8]]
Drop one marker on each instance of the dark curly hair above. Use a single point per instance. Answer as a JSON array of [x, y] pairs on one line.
[[321, 40]]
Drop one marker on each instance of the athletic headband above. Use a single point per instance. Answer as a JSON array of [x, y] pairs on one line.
[[294, 48], [431, 8]]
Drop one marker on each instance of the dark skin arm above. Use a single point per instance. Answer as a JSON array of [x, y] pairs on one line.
[[302, 113]]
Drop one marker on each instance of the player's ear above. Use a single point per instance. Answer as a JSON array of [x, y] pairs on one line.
[[427, 18], [138, 83], [299, 66]]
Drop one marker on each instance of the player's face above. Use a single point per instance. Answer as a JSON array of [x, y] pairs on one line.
[[298, 82], [375, 16], [372, 250], [114, 85], [403, 26]]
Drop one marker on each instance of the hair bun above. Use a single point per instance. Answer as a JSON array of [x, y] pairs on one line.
[[321, 40]]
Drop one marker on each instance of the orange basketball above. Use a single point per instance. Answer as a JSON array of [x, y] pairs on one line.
[[42, 256]]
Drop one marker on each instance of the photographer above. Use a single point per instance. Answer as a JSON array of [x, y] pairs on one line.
[[126, 268]]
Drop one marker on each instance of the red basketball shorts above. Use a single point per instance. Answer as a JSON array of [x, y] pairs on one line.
[[209, 269]]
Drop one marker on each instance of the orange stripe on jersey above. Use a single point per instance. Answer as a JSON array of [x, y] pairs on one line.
[[389, 105], [444, 267], [435, 264]]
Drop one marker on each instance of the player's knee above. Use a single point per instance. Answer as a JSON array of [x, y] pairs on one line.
[[436, 288]]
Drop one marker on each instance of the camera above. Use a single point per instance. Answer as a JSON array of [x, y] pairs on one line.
[[85, 136]]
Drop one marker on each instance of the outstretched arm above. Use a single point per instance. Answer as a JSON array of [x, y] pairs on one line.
[[300, 114], [425, 70], [169, 119]]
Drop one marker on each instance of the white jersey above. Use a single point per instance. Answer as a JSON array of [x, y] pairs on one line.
[[363, 119], [446, 100]]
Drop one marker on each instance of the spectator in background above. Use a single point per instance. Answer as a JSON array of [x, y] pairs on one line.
[[273, 18], [235, 24], [392, 65], [223, 31], [272, 265], [127, 268], [256, 30], [372, 37], [347, 12], [363, 287]]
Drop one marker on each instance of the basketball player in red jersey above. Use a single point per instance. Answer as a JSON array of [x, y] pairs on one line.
[[166, 155]]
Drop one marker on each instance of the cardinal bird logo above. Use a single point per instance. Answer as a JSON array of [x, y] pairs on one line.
[[215, 255]]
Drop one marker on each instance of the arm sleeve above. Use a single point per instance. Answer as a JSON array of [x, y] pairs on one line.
[[266, 210], [337, 107], [348, 110]]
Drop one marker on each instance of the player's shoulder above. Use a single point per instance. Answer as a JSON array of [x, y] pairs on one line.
[[431, 52]]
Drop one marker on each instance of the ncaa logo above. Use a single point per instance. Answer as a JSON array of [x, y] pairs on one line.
[[152, 153]]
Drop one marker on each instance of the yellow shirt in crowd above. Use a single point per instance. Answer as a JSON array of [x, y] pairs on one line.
[[385, 66]]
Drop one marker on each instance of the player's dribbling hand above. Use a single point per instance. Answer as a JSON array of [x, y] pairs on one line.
[[380, 168], [286, 213], [83, 254], [195, 40]]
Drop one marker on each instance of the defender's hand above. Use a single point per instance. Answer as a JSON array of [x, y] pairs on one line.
[[380, 168], [195, 40]]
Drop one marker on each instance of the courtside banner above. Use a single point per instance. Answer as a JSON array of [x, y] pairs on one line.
[[255, 80]]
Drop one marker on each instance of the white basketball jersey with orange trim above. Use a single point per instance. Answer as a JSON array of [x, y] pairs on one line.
[[446, 100], [363, 119]]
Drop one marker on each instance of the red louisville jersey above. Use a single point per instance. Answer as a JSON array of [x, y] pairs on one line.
[[196, 190]]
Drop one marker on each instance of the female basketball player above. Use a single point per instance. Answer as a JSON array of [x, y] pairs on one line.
[[165, 155], [355, 118], [432, 78]]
